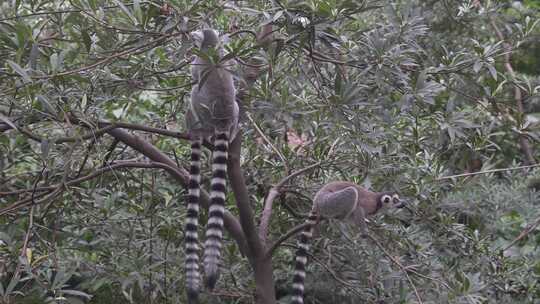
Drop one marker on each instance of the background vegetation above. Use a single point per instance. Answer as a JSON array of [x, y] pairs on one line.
[[395, 95]]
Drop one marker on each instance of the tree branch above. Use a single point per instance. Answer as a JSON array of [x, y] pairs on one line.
[[285, 237], [133, 50], [91, 135], [263, 136], [131, 126], [32, 200], [523, 234], [231, 223], [404, 269], [125, 164], [238, 185], [104, 126], [487, 171], [274, 192]]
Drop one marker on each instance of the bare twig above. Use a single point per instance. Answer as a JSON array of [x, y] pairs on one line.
[[97, 173], [91, 135], [403, 268], [333, 273], [487, 171], [274, 192], [59, 12], [523, 234], [147, 149], [105, 126], [285, 237], [131, 126], [263, 136], [28, 233], [105, 60], [252, 33], [28, 201], [329, 270]]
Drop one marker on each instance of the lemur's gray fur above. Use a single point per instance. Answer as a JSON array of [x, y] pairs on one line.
[[340, 200]]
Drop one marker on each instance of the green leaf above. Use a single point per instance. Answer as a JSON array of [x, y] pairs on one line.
[[54, 62], [17, 68], [492, 71], [76, 293], [477, 66], [46, 105], [34, 53], [126, 11], [137, 10], [8, 122], [45, 148], [73, 300], [87, 40]]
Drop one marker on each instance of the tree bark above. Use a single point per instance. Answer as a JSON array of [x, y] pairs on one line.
[[256, 251], [264, 280]]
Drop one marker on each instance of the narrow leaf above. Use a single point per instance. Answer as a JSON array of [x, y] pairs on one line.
[[46, 105], [492, 71], [477, 66], [8, 122], [45, 148], [127, 11], [87, 40], [17, 68]]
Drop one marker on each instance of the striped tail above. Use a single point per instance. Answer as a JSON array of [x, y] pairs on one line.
[[214, 229], [193, 276], [301, 260]]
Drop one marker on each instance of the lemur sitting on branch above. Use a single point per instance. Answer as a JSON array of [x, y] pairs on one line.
[[344, 201], [212, 113]]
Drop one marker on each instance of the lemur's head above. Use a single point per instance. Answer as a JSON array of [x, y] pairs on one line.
[[390, 200], [205, 39]]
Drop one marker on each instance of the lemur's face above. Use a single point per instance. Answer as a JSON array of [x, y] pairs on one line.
[[197, 37], [391, 200]]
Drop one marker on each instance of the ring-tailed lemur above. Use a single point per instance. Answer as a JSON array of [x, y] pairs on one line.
[[341, 200], [213, 112]]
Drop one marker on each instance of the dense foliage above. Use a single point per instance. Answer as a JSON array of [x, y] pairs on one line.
[[397, 95]]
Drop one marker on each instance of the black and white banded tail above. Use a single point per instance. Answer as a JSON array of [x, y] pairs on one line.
[[214, 229], [193, 277], [301, 259]]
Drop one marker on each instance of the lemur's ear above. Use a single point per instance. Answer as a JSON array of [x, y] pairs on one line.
[[397, 201], [197, 38]]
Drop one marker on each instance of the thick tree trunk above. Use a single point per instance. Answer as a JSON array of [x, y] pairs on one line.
[[264, 281], [256, 251]]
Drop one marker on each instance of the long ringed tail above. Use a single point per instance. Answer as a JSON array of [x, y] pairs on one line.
[[301, 259], [214, 229], [193, 276]]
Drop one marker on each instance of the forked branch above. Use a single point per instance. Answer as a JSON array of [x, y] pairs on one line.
[[274, 192]]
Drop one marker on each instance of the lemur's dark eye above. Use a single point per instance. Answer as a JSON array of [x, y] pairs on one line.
[[386, 199]]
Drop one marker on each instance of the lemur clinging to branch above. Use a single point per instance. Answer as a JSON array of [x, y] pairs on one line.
[[341, 200], [213, 112]]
